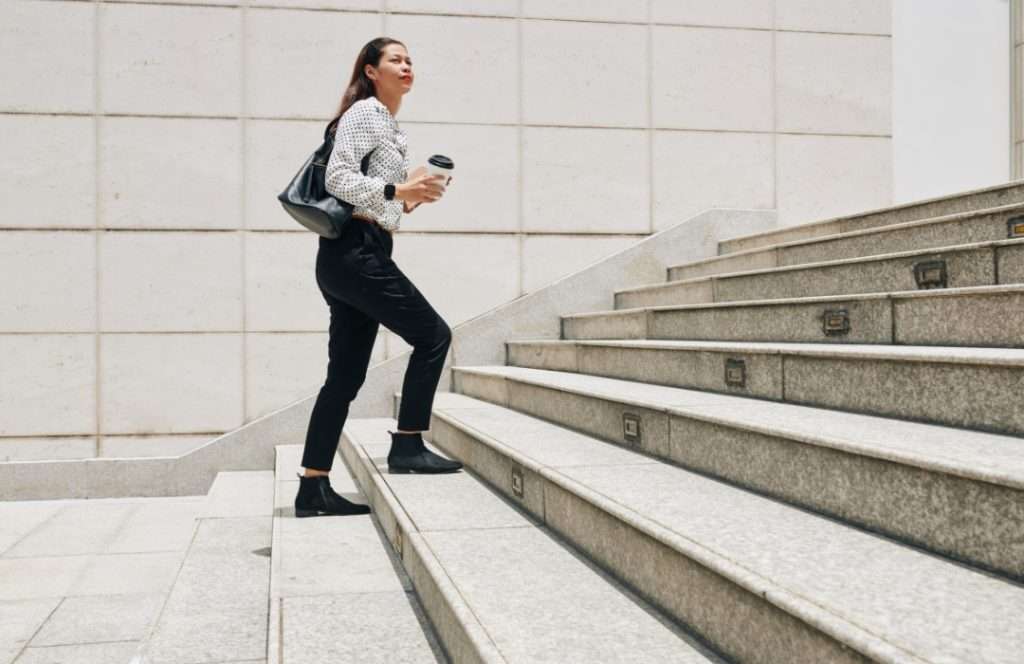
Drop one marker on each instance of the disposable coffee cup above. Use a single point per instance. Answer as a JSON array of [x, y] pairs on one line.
[[441, 165]]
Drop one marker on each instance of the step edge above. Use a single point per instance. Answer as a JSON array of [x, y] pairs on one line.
[[928, 463], [1011, 184], [953, 248], [992, 290], [475, 634], [951, 218], [913, 353]]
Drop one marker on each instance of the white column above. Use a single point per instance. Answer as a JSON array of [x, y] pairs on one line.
[[1017, 89]]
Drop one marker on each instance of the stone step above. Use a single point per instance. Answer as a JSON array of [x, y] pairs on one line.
[[955, 492], [759, 580], [240, 493], [217, 608], [979, 316], [1001, 223], [975, 199], [337, 592], [974, 388], [497, 585], [978, 264]]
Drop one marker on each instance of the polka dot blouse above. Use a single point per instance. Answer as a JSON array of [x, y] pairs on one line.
[[366, 125]]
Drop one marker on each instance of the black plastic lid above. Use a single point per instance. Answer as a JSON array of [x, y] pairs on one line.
[[441, 161]]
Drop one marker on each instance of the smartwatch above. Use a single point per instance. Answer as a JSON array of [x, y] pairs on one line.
[[389, 192]]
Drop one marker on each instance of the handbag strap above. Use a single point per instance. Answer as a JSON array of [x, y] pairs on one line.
[[330, 125]]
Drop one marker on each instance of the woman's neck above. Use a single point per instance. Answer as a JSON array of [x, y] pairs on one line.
[[393, 103]]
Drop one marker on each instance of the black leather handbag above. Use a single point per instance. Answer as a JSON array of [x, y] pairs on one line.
[[306, 198]]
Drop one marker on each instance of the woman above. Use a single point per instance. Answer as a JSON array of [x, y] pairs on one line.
[[362, 285]]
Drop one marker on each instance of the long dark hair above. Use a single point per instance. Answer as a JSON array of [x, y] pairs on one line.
[[360, 86]]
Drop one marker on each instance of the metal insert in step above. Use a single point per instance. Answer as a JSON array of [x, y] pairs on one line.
[[835, 322], [631, 428], [517, 482], [931, 274], [1015, 227], [735, 372]]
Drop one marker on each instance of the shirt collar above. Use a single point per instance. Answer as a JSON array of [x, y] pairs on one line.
[[387, 111]]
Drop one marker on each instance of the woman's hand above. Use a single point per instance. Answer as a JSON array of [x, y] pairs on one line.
[[421, 187], [408, 207]]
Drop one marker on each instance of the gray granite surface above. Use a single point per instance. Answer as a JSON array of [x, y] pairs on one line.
[[217, 609], [691, 291], [734, 262], [370, 627], [116, 652], [970, 316], [1010, 258], [538, 599], [984, 456], [962, 228], [968, 265], [96, 618], [870, 321], [956, 492], [84, 580], [979, 385], [935, 609], [631, 324], [337, 592], [982, 316]]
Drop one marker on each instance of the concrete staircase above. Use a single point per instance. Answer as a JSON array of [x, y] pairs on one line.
[[808, 449]]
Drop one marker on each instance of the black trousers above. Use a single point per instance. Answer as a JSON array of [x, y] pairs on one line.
[[365, 288]]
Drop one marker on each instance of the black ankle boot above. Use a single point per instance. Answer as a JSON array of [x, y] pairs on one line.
[[316, 495], [408, 455]]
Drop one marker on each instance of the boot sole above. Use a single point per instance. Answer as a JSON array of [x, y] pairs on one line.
[[304, 513], [409, 471]]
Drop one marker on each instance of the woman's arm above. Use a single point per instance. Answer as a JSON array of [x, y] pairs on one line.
[[359, 131]]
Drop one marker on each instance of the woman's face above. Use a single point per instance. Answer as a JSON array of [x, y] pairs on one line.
[[394, 73]]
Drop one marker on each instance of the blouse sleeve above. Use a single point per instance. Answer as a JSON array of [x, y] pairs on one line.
[[359, 131]]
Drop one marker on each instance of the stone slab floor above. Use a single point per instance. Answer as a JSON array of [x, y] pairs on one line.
[[83, 581]]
